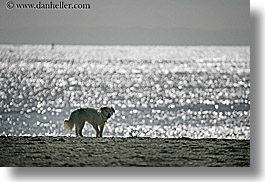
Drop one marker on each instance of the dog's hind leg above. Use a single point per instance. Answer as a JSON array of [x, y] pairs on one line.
[[80, 132], [96, 129], [76, 131], [79, 128]]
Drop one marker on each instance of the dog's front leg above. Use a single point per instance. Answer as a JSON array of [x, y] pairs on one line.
[[96, 129], [101, 130]]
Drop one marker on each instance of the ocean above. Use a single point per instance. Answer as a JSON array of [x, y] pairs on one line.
[[157, 91]]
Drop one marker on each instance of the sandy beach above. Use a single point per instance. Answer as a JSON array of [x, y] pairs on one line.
[[78, 152]]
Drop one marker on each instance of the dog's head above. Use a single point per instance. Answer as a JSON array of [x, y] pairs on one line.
[[107, 111]]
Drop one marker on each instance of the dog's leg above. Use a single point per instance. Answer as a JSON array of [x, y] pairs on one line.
[[80, 127], [76, 131], [101, 130], [96, 129], [80, 131]]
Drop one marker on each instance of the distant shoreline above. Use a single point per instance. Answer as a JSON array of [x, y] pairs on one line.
[[136, 151]]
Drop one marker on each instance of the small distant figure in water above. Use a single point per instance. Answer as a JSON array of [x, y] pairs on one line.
[[52, 46]]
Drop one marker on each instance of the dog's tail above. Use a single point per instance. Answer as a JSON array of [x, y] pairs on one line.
[[68, 125]]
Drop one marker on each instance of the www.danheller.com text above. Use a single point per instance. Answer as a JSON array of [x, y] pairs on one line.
[[47, 5]]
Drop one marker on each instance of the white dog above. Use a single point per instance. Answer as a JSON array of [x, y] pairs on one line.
[[97, 118]]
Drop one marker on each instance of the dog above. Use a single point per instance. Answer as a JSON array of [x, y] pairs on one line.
[[96, 117]]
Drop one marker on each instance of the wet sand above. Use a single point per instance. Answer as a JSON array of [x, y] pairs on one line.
[[78, 152]]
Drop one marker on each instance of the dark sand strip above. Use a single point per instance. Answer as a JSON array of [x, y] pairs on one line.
[[75, 151]]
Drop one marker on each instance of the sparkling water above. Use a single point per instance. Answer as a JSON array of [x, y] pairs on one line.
[[157, 91]]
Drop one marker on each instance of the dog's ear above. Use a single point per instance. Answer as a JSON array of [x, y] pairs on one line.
[[102, 108], [112, 109]]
